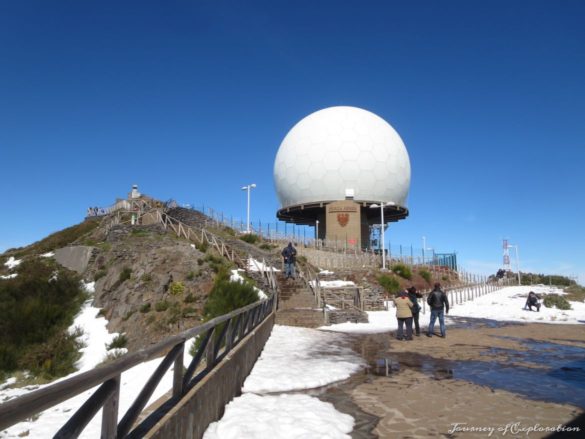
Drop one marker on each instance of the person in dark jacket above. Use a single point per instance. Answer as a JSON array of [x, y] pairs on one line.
[[439, 305], [289, 254], [532, 300], [413, 296]]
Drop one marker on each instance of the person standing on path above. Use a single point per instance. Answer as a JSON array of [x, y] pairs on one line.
[[439, 305], [403, 315], [413, 296], [289, 254]]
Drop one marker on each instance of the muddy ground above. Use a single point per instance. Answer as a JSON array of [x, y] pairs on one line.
[[482, 380]]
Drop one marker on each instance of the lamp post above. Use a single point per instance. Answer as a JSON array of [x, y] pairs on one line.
[[248, 188], [515, 247], [381, 206], [317, 233]]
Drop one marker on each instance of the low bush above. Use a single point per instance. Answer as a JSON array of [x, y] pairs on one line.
[[36, 309], [145, 308], [202, 246], [119, 341], [125, 274], [402, 270], [190, 298], [554, 300], [389, 283], [250, 238], [425, 274], [177, 288], [161, 306], [226, 296], [146, 277]]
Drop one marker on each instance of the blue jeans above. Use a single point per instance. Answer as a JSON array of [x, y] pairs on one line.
[[289, 269], [434, 314]]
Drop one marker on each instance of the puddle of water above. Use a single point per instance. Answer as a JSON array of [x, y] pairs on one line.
[[540, 370], [543, 371]]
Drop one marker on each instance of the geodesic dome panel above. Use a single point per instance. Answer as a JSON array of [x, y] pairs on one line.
[[339, 149]]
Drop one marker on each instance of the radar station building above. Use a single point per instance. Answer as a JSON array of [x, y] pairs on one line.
[[340, 170]]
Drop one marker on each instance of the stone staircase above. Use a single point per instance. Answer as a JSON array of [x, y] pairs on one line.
[[296, 305]]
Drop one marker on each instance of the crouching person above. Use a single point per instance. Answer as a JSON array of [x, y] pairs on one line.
[[532, 300]]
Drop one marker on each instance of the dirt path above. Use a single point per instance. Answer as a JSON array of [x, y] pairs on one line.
[[425, 401]]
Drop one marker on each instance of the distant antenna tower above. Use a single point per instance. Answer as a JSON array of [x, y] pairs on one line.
[[506, 256]]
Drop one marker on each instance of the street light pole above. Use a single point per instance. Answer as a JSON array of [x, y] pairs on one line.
[[515, 247], [317, 233], [381, 206], [248, 188], [383, 240]]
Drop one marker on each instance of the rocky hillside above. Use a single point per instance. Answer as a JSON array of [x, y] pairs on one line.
[[149, 284]]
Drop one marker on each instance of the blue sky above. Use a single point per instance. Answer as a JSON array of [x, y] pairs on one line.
[[191, 99]]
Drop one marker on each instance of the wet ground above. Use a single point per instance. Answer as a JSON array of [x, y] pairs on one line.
[[537, 370]]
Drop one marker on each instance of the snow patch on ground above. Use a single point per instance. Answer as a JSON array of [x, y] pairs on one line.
[[11, 262], [280, 416]]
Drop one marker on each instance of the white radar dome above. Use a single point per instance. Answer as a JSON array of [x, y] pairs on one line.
[[339, 152]]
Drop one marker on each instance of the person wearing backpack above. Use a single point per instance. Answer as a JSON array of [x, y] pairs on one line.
[[413, 296], [288, 255], [439, 305]]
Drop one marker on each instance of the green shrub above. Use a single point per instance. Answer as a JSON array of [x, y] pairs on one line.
[[190, 298], [445, 278], [128, 315], [120, 341], [177, 288], [250, 238], [99, 274], [145, 308], [54, 358], [226, 296], [389, 283], [161, 306], [266, 246], [202, 246], [425, 274], [191, 275], [140, 233], [36, 309], [554, 300], [125, 274], [216, 263], [200, 261], [146, 277], [402, 270]]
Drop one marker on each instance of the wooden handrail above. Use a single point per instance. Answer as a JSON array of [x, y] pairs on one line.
[[25, 406]]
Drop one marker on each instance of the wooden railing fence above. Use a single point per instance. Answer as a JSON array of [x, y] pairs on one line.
[[215, 339]]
